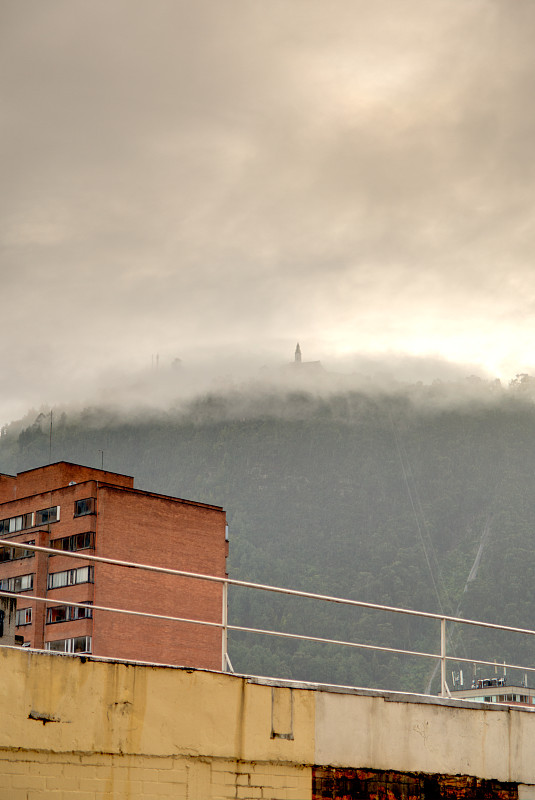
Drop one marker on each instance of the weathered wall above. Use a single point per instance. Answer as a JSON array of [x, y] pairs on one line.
[[381, 732], [8, 608], [365, 784], [91, 729], [86, 729]]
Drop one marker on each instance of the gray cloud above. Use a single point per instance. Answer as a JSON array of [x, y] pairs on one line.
[[202, 177]]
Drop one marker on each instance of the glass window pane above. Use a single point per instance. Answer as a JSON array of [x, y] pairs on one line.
[[57, 614], [27, 520], [82, 575], [83, 507], [82, 541], [23, 616], [59, 646], [47, 515]]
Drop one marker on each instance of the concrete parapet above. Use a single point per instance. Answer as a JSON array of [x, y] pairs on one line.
[[88, 728]]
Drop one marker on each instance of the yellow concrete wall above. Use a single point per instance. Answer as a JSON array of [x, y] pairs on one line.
[[89, 729], [35, 775]]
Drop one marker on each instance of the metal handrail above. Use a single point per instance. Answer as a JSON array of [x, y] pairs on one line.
[[225, 626]]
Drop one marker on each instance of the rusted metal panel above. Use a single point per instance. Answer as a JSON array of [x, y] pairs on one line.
[[365, 784]]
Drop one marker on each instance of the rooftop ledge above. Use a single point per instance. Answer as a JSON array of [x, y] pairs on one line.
[[388, 695]]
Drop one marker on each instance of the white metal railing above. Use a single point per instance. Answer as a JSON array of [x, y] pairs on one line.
[[443, 657]]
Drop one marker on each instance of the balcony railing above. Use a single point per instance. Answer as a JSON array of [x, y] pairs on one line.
[[442, 657]]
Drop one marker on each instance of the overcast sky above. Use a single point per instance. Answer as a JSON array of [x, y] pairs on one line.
[[221, 179]]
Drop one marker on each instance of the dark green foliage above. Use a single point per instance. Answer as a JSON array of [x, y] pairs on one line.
[[376, 498]]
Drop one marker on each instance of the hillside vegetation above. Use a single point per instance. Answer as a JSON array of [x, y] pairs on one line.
[[386, 498]]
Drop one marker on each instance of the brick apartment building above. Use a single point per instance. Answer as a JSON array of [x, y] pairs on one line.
[[73, 508]]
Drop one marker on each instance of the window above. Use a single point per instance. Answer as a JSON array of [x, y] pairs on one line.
[[21, 583], [80, 541], [79, 644], [57, 614], [67, 614], [23, 617], [14, 553], [70, 577], [15, 524], [83, 507], [28, 520], [47, 515]]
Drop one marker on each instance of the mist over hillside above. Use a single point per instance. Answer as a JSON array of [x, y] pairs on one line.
[[404, 494], [166, 382]]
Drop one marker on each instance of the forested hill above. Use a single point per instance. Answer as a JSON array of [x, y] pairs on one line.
[[382, 497]]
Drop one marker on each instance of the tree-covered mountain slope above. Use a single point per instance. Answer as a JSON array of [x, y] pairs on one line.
[[393, 498]]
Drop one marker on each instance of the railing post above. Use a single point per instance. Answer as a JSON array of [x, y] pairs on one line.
[[443, 687], [224, 629]]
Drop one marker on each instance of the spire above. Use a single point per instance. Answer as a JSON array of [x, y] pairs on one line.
[[298, 354]]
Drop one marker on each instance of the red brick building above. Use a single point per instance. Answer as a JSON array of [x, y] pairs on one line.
[[79, 509]]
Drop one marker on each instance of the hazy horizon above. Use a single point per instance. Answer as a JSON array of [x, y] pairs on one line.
[[214, 182], [251, 385]]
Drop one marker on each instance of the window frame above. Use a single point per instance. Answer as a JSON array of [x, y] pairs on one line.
[[90, 501], [71, 577], [73, 539], [20, 522], [72, 614], [28, 617], [71, 644], [9, 584], [16, 554], [47, 521]]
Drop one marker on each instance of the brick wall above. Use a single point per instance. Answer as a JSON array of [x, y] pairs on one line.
[[164, 532], [7, 487], [40, 564], [43, 479], [368, 784], [128, 525]]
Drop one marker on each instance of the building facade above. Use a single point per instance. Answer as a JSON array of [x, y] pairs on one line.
[[8, 615], [77, 509], [497, 690]]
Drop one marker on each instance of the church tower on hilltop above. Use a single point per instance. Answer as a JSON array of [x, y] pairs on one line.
[[304, 367]]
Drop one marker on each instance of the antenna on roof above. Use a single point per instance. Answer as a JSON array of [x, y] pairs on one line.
[[101, 459], [50, 440]]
